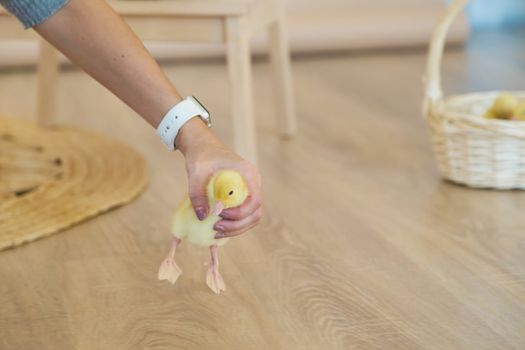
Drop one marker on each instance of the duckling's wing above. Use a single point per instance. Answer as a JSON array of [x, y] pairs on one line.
[[183, 219]]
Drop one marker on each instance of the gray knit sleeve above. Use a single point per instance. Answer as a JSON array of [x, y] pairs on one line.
[[32, 12]]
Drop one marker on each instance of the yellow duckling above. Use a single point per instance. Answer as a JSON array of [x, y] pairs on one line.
[[519, 111], [489, 114], [503, 107], [226, 189]]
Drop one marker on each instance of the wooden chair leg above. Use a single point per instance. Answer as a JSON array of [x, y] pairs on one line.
[[47, 76], [240, 72], [282, 77]]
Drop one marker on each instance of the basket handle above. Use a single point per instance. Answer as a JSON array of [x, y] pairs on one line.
[[434, 91]]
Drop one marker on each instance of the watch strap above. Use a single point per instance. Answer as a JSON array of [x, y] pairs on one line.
[[177, 116]]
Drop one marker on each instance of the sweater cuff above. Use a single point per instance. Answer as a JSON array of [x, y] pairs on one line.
[[31, 12]]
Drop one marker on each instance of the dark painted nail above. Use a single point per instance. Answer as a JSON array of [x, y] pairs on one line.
[[201, 213], [218, 228], [219, 235]]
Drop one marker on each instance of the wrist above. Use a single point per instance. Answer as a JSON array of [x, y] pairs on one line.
[[193, 134]]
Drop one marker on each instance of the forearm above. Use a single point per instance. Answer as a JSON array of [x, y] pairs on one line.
[[95, 38]]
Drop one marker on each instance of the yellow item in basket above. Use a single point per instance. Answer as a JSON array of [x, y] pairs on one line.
[[489, 114], [503, 107], [519, 112]]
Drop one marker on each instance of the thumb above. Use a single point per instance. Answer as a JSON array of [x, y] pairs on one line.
[[198, 197]]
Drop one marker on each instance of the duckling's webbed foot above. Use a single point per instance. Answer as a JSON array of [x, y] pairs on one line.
[[213, 277], [169, 270]]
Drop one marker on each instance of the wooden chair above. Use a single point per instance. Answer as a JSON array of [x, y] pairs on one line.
[[232, 22]]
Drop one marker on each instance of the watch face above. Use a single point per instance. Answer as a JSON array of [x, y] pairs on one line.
[[207, 117]]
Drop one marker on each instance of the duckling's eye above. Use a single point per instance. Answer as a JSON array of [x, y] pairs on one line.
[[230, 193]]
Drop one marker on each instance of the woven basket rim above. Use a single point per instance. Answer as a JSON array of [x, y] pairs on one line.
[[447, 114]]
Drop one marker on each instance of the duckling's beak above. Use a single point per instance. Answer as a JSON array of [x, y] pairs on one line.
[[217, 209]]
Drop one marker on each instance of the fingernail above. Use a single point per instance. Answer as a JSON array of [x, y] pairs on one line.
[[218, 228], [219, 235], [201, 213]]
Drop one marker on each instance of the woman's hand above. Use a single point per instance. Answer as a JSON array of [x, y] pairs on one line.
[[205, 154]]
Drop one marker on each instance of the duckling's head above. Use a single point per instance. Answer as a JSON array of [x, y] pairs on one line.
[[228, 188]]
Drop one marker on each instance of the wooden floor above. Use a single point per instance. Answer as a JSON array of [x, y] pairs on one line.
[[362, 246]]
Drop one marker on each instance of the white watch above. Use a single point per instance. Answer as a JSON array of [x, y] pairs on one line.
[[177, 116]]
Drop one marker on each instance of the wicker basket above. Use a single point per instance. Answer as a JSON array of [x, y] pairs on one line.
[[470, 149]]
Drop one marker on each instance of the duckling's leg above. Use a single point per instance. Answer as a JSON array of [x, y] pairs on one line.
[[169, 270], [213, 277]]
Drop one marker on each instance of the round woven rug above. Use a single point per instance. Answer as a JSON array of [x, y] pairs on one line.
[[55, 177]]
